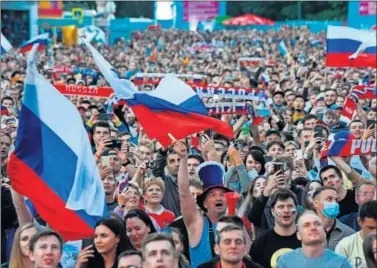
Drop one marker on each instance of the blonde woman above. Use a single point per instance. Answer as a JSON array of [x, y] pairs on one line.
[[20, 249], [154, 189]]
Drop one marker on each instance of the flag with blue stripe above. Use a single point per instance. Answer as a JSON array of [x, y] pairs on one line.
[[52, 163], [5, 45], [283, 48]]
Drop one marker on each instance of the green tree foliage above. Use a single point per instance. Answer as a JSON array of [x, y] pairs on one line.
[[280, 11]]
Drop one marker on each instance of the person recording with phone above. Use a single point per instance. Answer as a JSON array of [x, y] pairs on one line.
[[236, 178], [319, 135], [279, 177]]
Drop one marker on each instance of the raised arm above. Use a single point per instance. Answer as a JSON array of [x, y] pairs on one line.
[[352, 175], [192, 218], [23, 213]]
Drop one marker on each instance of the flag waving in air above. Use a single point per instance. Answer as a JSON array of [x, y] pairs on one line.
[[349, 47], [39, 39], [283, 48], [53, 163], [5, 45], [173, 109]]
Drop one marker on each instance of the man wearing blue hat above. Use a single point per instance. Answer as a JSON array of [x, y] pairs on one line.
[[212, 201]]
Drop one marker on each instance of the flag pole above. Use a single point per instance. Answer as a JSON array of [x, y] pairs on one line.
[[172, 137]]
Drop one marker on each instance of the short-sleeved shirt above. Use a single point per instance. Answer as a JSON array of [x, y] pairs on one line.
[[296, 259], [267, 248], [351, 247], [163, 216]]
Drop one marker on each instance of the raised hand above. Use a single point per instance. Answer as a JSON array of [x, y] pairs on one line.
[[180, 148], [84, 256]]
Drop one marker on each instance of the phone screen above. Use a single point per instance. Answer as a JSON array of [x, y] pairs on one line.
[[105, 160], [318, 132], [371, 122], [279, 166], [268, 158]]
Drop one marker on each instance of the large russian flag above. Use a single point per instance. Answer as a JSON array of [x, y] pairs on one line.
[[41, 39], [349, 47], [172, 109], [53, 163]]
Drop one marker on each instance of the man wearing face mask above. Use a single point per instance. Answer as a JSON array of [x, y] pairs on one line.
[[325, 203], [332, 176]]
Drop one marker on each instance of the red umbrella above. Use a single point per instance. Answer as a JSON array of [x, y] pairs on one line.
[[248, 19], [374, 27]]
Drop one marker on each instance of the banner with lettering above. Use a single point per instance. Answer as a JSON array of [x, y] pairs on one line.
[[360, 92], [155, 78], [227, 108], [89, 91], [350, 147], [232, 93], [249, 61]]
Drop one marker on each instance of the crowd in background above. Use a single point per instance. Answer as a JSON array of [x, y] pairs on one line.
[[293, 209]]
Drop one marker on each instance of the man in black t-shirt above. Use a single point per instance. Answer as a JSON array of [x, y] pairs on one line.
[[267, 248], [332, 176]]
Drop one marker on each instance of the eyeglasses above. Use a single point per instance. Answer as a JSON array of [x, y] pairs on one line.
[[365, 194]]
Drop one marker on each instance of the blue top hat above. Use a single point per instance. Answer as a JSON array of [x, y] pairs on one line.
[[211, 173]]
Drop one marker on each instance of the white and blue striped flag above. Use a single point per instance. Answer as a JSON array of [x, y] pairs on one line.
[[283, 48], [5, 45]]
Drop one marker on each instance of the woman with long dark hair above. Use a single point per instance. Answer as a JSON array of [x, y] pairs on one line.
[[138, 225], [109, 241], [255, 190]]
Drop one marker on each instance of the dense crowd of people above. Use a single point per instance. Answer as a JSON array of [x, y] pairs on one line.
[[171, 206]]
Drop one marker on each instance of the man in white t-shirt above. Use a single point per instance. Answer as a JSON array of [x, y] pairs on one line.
[[351, 247]]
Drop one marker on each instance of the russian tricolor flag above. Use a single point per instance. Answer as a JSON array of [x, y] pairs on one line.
[[53, 164], [5, 45], [41, 39], [173, 109], [349, 47]]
